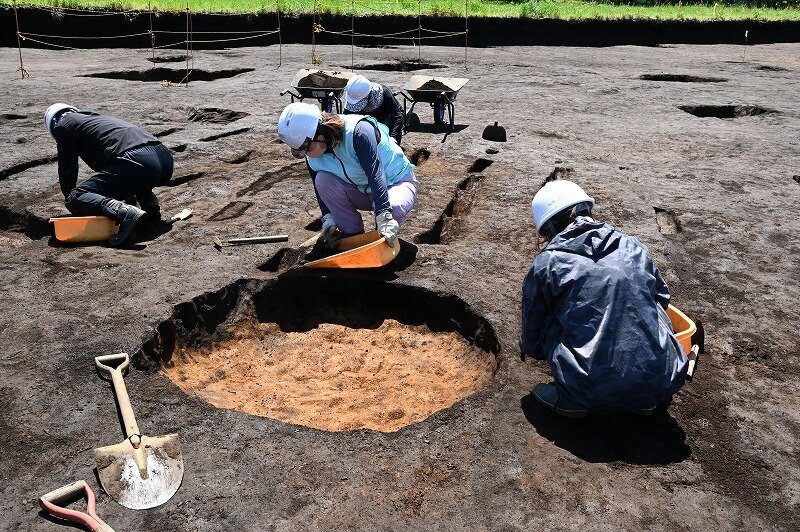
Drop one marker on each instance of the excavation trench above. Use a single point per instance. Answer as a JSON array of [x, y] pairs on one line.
[[335, 355], [399, 66], [725, 111], [161, 74]]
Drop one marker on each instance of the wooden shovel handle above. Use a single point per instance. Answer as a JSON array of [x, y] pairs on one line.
[[68, 494], [124, 402]]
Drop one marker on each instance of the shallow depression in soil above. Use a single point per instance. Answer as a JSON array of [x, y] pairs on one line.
[[334, 377]]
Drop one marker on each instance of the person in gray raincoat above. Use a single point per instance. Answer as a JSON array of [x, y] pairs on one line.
[[594, 306]]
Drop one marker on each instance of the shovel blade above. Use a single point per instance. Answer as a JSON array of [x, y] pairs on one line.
[[495, 133], [141, 478]]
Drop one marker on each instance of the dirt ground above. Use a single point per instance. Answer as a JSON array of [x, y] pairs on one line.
[[715, 199]]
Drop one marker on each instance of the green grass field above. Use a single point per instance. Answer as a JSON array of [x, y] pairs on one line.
[[555, 9]]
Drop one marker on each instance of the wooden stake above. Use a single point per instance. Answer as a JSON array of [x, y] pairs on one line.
[[21, 68]]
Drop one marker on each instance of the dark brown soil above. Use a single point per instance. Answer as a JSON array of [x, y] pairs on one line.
[[433, 85], [713, 199], [320, 80]]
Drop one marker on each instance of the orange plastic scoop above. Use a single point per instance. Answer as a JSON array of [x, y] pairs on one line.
[[368, 250], [83, 228], [684, 328]]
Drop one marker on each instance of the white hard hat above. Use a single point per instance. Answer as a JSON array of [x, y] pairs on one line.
[[53, 111], [554, 197], [298, 123], [357, 90]]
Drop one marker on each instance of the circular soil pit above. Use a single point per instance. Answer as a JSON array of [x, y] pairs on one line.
[[334, 377], [335, 353]]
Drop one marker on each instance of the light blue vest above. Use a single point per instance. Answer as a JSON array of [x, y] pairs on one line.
[[344, 164]]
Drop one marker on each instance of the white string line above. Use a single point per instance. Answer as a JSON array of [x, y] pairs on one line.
[[215, 32], [76, 37]]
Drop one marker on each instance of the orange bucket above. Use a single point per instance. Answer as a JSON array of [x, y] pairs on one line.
[[684, 328], [368, 250], [83, 228]]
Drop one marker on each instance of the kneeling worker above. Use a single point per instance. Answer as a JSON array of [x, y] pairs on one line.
[[355, 167], [594, 306], [128, 160], [377, 101]]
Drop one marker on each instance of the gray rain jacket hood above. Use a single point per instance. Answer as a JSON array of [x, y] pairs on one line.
[[594, 306]]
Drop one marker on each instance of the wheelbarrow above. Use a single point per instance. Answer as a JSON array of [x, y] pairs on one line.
[[325, 85], [440, 93]]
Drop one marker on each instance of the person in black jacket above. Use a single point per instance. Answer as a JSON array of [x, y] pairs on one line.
[[376, 100], [128, 160]]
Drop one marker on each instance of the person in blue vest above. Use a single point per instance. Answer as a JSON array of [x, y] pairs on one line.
[[129, 162], [594, 306], [355, 166]]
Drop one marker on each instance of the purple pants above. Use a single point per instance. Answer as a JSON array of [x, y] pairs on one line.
[[345, 200]]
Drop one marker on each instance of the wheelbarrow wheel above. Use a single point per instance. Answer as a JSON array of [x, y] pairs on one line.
[[438, 113]]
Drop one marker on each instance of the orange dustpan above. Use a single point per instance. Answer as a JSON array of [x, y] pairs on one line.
[[368, 250]]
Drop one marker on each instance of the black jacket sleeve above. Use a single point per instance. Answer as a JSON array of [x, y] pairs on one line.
[[67, 145], [398, 117]]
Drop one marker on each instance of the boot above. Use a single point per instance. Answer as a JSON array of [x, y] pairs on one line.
[[550, 396], [127, 216]]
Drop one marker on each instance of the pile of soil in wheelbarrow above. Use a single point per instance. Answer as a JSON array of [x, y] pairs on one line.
[[334, 377], [319, 80], [433, 85]]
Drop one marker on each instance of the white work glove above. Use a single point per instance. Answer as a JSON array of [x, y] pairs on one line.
[[329, 230], [387, 226]]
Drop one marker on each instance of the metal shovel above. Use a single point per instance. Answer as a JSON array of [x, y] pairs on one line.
[[142, 471], [495, 133]]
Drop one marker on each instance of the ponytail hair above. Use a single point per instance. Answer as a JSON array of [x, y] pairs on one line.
[[332, 128]]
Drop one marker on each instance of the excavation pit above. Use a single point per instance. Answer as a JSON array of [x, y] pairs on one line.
[[334, 355], [399, 66], [681, 78], [725, 111], [161, 74]]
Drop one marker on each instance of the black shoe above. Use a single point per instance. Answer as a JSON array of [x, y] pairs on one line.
[[549, 396], [128, 218]]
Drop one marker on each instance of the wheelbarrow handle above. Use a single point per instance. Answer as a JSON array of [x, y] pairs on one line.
[[124, 402], [69, 493], [291, 93]]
